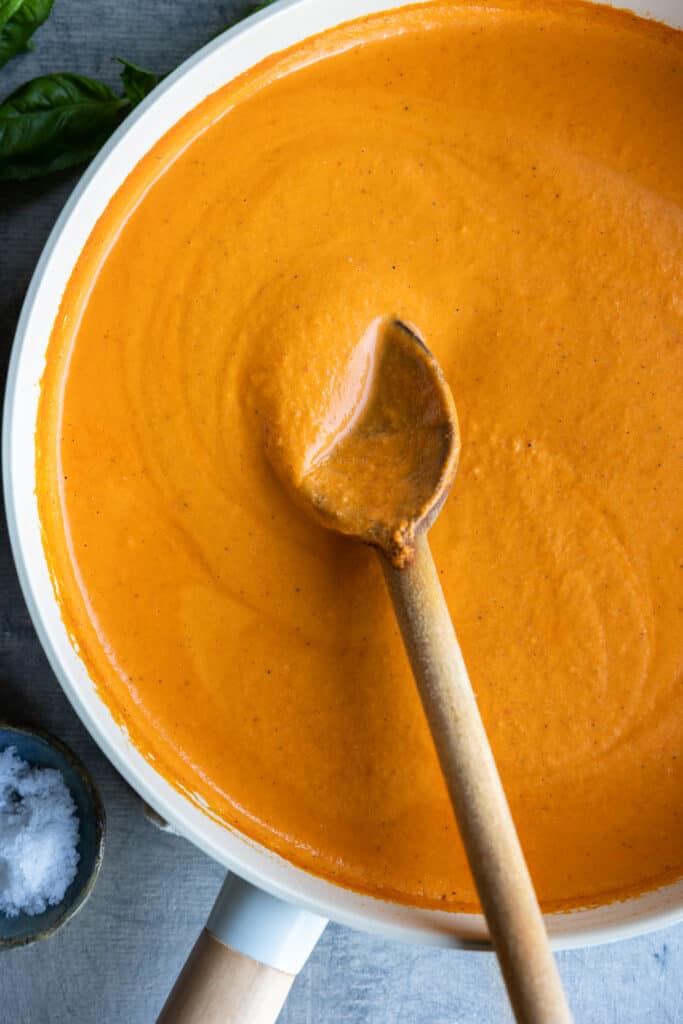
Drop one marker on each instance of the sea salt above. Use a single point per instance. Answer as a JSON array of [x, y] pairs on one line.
[[38, 836]]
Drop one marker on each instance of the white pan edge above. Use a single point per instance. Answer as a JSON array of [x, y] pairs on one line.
[[267, 32]]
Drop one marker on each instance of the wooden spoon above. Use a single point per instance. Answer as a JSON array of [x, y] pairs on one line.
[[384, 482]]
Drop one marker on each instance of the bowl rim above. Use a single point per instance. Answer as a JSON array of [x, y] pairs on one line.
[[100, 821], [239, 48]]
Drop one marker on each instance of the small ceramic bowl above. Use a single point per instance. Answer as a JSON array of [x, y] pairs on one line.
[[41, 749]]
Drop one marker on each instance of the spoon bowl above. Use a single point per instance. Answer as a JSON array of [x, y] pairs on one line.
[[387, 476]]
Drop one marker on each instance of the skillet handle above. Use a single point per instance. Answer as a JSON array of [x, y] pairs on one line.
[[219, 986], [245, 960]]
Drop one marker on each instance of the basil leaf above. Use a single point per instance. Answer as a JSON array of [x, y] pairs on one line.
[[137, 82], [54, 122], [8, 8], [16, 31]]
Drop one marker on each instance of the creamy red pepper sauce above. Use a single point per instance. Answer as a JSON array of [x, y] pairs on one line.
[[509, 177]]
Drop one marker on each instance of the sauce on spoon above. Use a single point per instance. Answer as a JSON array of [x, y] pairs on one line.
[[390, 464]]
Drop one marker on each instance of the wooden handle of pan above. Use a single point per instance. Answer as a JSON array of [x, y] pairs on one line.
[[488, 832], [219, 986]]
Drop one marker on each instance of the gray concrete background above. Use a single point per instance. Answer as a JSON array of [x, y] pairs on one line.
[[116, 961]]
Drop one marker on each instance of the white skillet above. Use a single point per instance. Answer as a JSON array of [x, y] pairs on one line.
[[273, 912]]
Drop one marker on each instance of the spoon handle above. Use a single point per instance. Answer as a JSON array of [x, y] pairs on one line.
[[495, 856]]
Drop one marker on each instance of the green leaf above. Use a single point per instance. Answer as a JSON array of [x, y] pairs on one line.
[[8, 8], [16, 32], [137, 82], [54, 122]]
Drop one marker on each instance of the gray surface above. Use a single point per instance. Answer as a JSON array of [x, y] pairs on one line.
[[116, 961]]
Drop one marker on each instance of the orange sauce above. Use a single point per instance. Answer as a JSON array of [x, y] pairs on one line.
[[509, 177]]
